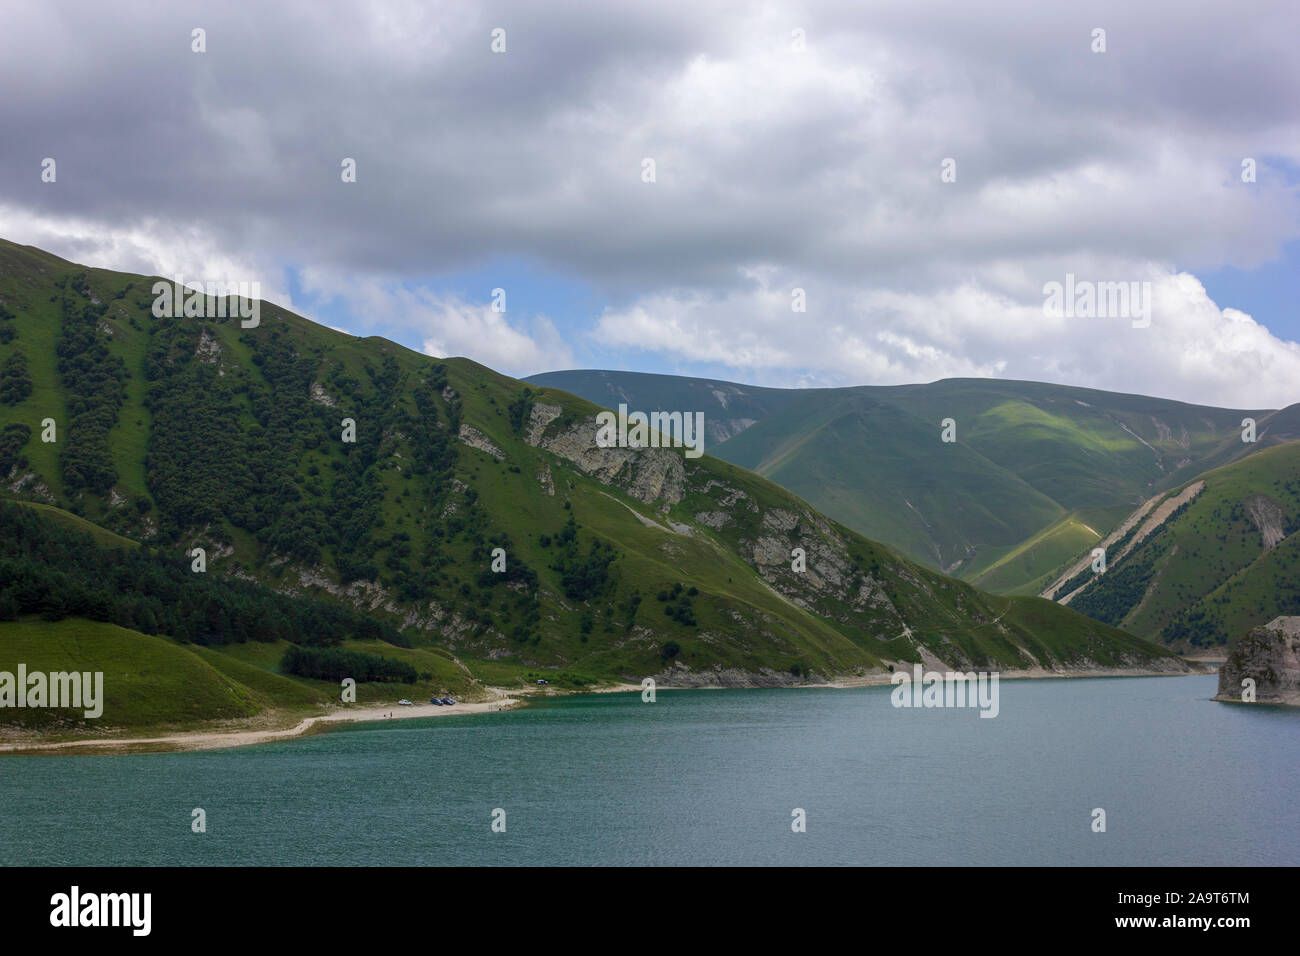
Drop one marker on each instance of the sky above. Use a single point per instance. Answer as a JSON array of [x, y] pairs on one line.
[[918, 174]]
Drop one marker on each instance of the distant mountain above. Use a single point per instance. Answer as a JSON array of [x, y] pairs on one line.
[[1038, 473], [475, 516], [728, 408]]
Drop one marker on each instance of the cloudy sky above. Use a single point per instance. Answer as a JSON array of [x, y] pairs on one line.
[[794, 146]]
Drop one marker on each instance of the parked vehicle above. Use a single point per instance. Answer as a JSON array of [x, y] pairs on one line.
[[435, 700], [404, 703], [448, 701]]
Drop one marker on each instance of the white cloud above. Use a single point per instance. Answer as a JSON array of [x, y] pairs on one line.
[[444, 325], [474, 330], [1193, 350], [153, 247]]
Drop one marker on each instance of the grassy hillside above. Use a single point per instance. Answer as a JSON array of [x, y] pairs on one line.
[[730, 408], [192, 432], [1037, 471], [154, 683], [148, 681], [1226, 561], [831, 452]]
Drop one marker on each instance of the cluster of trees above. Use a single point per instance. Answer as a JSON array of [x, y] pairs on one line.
[[95, 381], [7, 330], [677, 604], [519, 409], [252, 448], [13, 439], [1196, 627], [55, 571], [335, 664], [583, 575], [1119, 590], [515, 571], [15, 380]]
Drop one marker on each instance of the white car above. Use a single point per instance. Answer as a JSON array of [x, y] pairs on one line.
[[405, 703]]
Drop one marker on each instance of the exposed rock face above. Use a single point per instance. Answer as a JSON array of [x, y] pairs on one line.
[[829, 582], [720, 429], [209, 349], [1268, 517], [322, 397], [476, 439], [540, 416], [647, 474], [682, 676], [1270, 656]]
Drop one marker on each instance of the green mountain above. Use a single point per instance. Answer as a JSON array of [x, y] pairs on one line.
[[1205, 563], [1037, 473], [463, 513]]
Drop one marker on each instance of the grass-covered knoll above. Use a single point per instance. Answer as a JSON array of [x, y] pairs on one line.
[[149, 681], [153, 684], [375, 480], [68, 520], [1020, 569]]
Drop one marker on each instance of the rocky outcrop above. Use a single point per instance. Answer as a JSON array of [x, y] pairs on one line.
[[647, 474], [29, 483], [476, 439], [322, 397], [209, 349], [544, 479], [1270, 657], [1268, 516], [823, 579], [540, 416]]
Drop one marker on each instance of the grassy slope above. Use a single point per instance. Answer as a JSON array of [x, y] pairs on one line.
[[148, 681], [1209, 563], [155, 683], [103, 536], [1020, 569], [829, 453], [745, 621], [1034, 468]]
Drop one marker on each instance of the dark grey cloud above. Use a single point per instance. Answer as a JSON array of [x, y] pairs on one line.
[[774, 167]]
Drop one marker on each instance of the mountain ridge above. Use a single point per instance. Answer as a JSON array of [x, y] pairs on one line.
[[1037, 470], [189, 432]]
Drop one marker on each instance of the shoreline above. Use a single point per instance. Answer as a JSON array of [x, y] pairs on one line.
[[199, 740], [193, 740], [885, 680]]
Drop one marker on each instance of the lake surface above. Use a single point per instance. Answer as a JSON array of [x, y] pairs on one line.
[[706, 777]]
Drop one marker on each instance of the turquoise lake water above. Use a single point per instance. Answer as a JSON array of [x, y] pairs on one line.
[[705, 777]]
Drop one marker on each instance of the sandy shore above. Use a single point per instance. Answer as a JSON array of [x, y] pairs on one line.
[[215, 740]]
